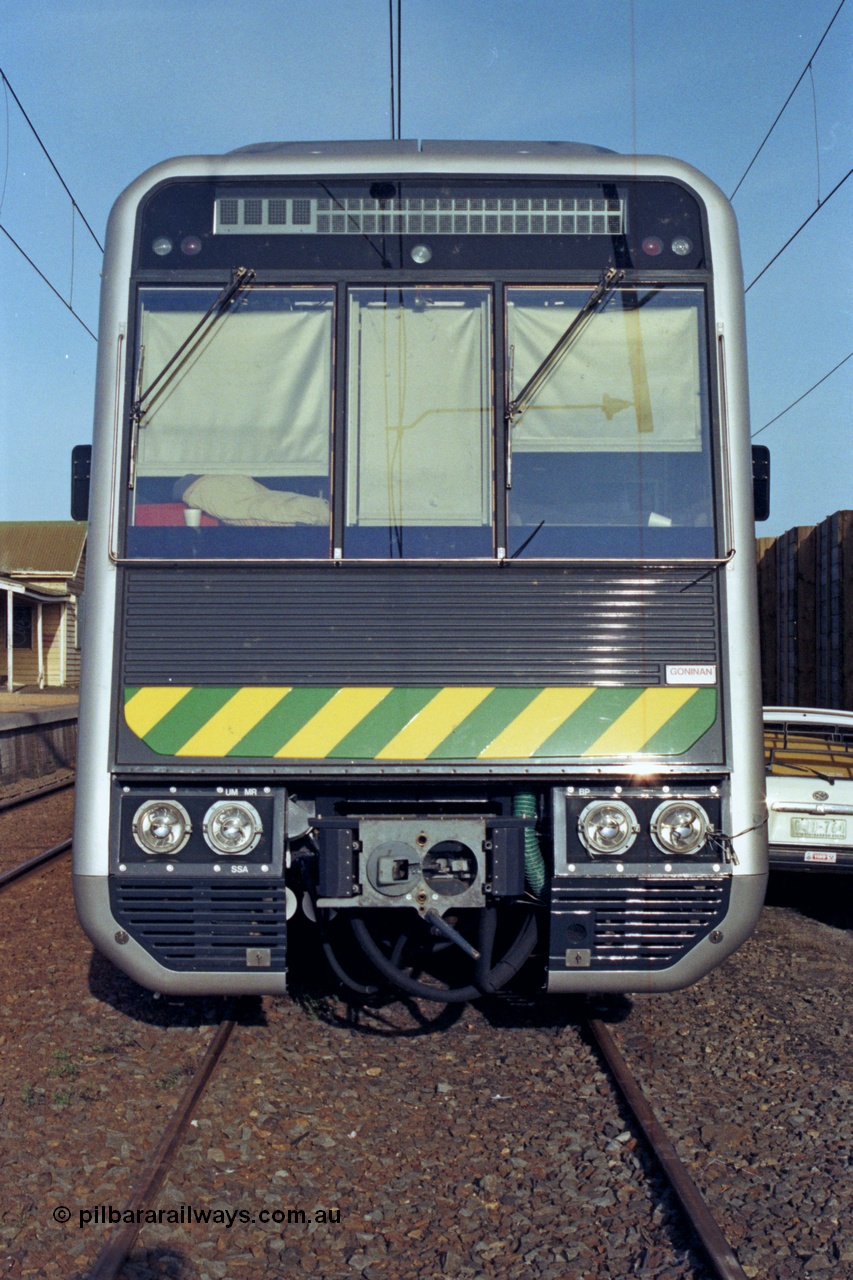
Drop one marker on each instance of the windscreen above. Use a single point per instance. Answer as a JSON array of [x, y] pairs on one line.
[[611, 456], [233, 441], [419, 423]]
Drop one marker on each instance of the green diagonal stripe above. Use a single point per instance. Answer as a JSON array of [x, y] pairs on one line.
[[383, 723], [282, 722], [484, 724], [588, 723], [686, 726], [184, 720]]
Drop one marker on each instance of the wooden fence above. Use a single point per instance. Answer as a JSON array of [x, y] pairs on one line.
[[805, 600]]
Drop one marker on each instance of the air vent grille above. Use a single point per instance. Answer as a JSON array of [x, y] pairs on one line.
[[203, 926], [634, 925]]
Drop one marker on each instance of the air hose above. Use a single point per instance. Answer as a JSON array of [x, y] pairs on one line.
[[524, 806], [488, 979]]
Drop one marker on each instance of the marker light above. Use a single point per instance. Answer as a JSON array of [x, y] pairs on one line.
[[679, 826], [607, 827], [161, 826], [652, 245], [190, 245], [161, 246], [232, 827], [682, 246]]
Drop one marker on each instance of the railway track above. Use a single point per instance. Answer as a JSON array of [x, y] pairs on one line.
[[719, 1252], [109, 1262], [31, 864], [37, 793], [10, 874], [720, 1255], [445, 1141]]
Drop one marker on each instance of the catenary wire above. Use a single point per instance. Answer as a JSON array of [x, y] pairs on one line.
[[6, 155], [787, 100], [802, 397], [391, 55], [399, 68], [47, 282], [47, 153], [816, 134], [395, 55], [798, 230]]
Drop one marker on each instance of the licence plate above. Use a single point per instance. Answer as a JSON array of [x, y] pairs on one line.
[[819, 828]]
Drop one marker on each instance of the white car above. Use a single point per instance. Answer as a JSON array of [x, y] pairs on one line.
[[809, 760]]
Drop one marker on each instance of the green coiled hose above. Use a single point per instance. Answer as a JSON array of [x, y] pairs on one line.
[[524, 806]]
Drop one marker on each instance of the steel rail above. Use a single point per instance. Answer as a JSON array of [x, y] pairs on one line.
[[720, 1253], [111, 1259], [24, 868], [11, 802]]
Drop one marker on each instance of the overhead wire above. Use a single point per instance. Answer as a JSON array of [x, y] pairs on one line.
[[807, 69], [788, 99], [802, 397], [802, 225], [398, 68], [6, 156], [47, 282], [35, 133], [391, 55], [395, 51], [75, 208]]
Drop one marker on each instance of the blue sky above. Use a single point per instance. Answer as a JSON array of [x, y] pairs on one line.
[[113, 86]]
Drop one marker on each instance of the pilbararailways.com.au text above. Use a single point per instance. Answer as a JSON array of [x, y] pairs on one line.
[[187, 1214]]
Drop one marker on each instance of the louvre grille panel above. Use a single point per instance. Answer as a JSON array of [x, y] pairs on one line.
[[640, 924], [203, 925], [466, 624]]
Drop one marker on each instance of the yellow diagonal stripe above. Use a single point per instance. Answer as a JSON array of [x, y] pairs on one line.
[[344, 710], [433, 723], [548, 710], [148, 707], [633, 729], [232, 722]]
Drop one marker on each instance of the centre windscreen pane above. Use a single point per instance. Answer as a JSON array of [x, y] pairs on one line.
[[420, 423]]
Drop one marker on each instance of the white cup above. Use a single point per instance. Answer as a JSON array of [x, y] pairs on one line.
[[192, 517]]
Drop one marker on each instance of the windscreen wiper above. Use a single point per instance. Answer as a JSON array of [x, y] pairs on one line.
[[801, 768], [536, 382], [240, 280]]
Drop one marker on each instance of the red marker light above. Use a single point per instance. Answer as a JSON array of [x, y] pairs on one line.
[[190, 245], [652, 246]]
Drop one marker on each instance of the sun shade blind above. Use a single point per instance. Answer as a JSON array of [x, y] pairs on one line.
[[253, 398]]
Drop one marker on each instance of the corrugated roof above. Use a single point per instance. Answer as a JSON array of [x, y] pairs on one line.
[[41, 546]]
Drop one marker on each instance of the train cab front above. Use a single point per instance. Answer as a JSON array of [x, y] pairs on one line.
[[443, 891]]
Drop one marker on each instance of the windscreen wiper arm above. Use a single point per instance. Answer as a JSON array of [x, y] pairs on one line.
[[534, 384], [240, 280]]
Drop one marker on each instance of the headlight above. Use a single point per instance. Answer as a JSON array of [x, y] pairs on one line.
[[161, 826], [607, 826], [232, 827], [679, 826]]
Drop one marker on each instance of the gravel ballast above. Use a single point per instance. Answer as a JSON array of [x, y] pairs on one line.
[[479, 1141]]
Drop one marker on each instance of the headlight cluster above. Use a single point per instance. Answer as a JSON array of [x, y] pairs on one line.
[[610, 827], [231, 828]]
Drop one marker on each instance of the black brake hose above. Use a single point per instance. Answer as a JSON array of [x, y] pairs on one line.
[[492, 979], [335, 965]]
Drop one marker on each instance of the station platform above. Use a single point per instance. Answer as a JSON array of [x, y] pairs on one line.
[[36, 706]]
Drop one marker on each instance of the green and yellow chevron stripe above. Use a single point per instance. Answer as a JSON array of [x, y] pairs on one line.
[[372, 722]]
